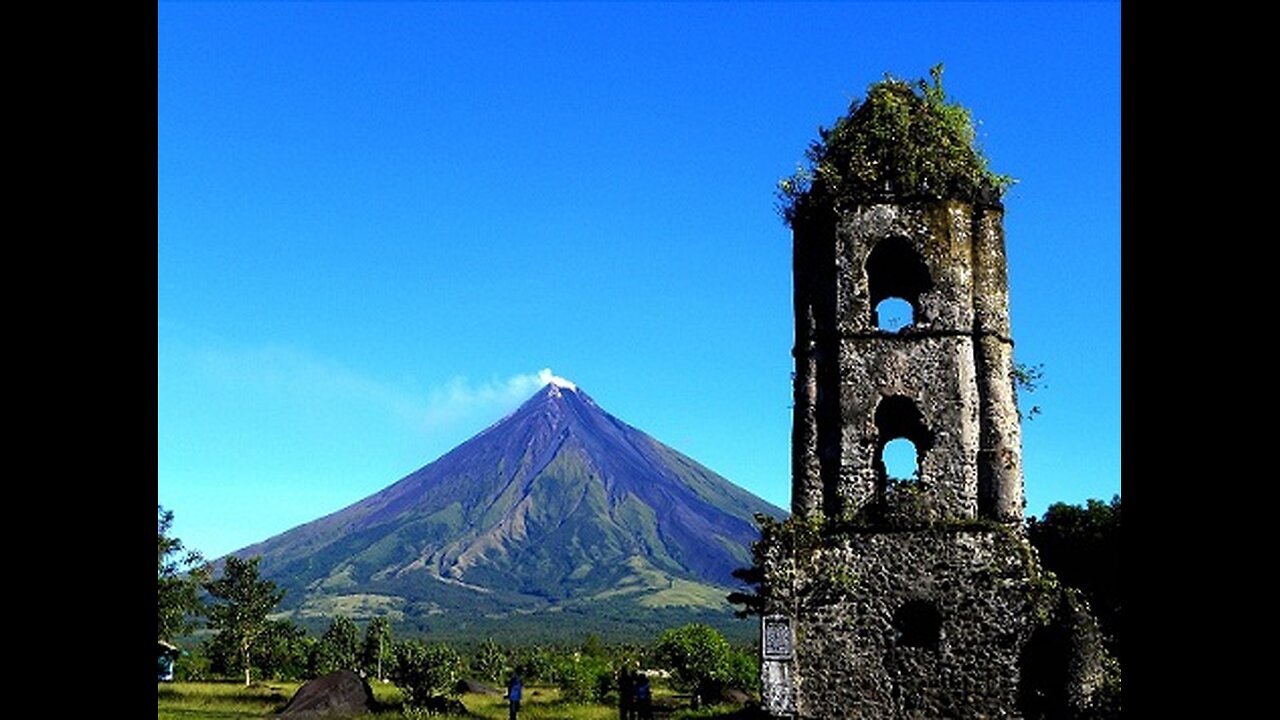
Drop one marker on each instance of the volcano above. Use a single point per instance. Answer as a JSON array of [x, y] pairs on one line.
[[557, 511]]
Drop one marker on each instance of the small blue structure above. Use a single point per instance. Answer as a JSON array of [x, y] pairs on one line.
[[166, 656]]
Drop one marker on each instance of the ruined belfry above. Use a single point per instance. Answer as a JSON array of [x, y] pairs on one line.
[[913, 595]]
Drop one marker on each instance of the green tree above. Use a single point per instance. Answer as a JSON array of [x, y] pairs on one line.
[[490, 662], [536, 663], [179, 572], [744, 670], [1081, 546], [376, 649], [241, 602], [284, 651], [582, 677], [699, 659], [425, 673], [751, 602], [223, 655], [338, 648]]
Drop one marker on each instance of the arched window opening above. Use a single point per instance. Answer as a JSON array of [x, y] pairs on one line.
[[919, 624], [893, 314], [895, 270], [901, 462], [900, 424]]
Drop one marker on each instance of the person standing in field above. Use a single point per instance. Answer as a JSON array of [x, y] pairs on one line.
[[644, 698], [515, 689], [626, 691]]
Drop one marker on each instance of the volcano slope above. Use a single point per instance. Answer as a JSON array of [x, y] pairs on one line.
[[557, 519]]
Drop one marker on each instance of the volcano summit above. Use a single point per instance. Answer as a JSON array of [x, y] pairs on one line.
[[557, 513]]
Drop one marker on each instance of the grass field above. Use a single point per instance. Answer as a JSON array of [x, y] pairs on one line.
[[233, 701]]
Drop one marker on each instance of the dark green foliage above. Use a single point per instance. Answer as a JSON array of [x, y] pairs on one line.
[[752, 604], [583, 678], [593, 647], [192, 665], [179, 573], [795, 536], [903, 141], [699, 659], [375, 651], [338, 648], [241, 603], [585, 672], [223, 654], [617, 620], [1081, 546], [489, 663], [744, 670], [537, 664], [284, 651], [425, 673]]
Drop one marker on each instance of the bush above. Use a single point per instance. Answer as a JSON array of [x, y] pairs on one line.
[[192, 667], [425, 673], [584, 678], [744, 670], [699, 659]]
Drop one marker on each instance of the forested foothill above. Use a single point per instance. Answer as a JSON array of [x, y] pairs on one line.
[[225, 628]]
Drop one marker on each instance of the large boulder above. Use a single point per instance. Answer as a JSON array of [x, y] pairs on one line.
[[339, 694]]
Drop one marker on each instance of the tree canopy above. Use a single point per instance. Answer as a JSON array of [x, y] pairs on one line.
[[699, 658], [241, 602], [425, 673], [376, 648], [1081, 546], [338, 649], [179, 572]]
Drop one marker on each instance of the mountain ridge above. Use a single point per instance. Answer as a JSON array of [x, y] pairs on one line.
[[559, 505]]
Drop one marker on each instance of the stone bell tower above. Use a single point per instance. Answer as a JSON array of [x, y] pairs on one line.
[[915, 596], [943, 382]]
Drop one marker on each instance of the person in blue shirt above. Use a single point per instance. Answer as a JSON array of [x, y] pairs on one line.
[[644, 697], [515, 688]]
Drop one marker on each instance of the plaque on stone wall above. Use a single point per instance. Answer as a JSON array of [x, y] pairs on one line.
[[776, 637]]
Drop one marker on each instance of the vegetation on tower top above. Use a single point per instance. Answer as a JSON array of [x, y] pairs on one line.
[[904, 141]]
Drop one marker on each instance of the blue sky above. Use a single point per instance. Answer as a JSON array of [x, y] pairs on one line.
[[377, 223]]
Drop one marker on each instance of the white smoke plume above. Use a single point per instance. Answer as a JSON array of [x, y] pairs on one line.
[[546, 377], [460, 399]]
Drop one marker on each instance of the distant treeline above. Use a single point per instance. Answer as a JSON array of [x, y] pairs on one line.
[[583, 654]]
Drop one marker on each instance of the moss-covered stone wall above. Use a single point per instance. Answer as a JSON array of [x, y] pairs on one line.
[[948, 621]]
